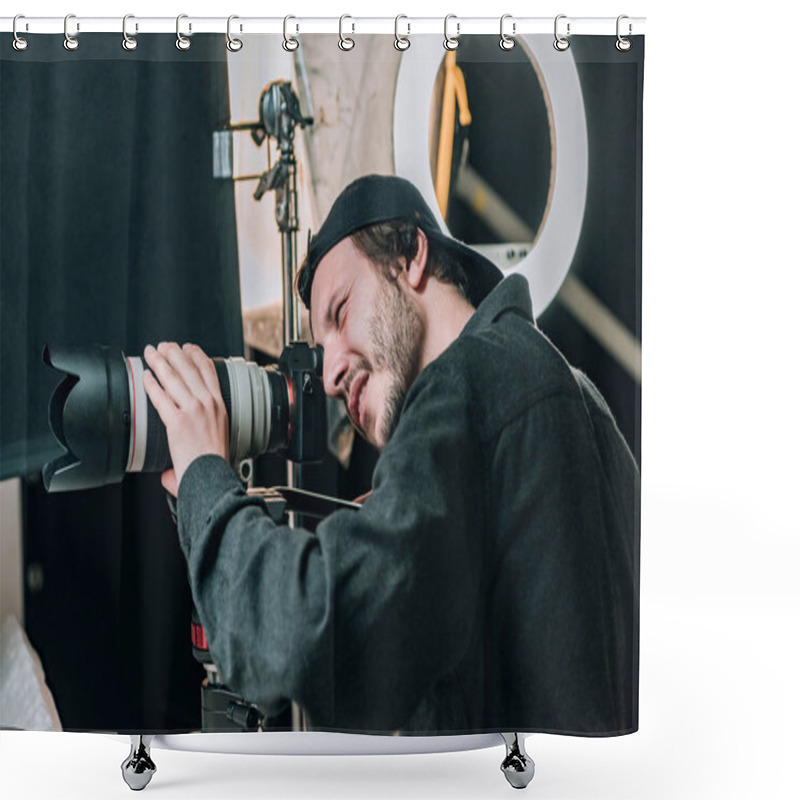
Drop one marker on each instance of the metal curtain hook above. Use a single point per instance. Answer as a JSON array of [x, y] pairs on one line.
[[561, 43], [233, 44], [19, 43], [451, 42], [128, 42], [622, 44], [70, 42], [507, 42], [290, 44], [182, 43], [345, 42], [401, 42]]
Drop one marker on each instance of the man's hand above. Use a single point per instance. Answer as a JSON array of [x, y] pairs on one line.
[[188, 400]]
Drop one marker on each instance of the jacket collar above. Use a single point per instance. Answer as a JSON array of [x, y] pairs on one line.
[[511, 294]]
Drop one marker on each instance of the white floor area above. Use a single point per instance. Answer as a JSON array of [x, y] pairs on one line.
[[719, 704]]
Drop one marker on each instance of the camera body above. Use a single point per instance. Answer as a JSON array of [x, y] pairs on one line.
[[302, 366]]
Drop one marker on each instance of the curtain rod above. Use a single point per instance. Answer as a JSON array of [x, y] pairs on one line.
[[297, 26]]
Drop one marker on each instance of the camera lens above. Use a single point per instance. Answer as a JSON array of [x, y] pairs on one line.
[[148, 450], [102, 416], [258, 409]]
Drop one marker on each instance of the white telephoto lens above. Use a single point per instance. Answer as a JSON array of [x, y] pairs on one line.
[[137, 448]]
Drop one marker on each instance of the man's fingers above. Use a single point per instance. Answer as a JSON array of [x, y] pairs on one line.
[[171, 383], [205, 366], [161, 401], [177, 373]]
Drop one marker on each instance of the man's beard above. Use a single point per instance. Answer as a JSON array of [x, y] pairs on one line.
[[397, 333]]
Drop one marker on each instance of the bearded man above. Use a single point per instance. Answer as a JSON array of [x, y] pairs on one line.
[[489, 582]]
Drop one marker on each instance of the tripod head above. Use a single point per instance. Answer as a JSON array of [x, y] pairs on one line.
[[279, 115]]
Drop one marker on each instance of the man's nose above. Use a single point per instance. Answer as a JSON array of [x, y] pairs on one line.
[[334, 371]]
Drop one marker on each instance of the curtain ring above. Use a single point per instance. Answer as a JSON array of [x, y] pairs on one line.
[[70, 42], [19, 43], [233, 44], [622, 44], [182, 43], [561, 43], [345, 42], [451, 42], [401, 42], [290, 44], [507, 42], [128, 42]]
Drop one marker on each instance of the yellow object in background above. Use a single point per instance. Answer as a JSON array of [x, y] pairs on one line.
[[454, 94]]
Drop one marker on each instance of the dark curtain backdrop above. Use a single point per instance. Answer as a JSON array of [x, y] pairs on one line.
[[113, 232]]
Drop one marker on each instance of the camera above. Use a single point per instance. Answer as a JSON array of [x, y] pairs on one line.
[[102, 416]]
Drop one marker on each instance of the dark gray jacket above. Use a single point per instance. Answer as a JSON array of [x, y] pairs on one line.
[[490, 582]]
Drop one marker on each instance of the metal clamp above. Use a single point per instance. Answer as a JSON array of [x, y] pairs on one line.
[[290, 44], [19, 43], [401, 42], [182, 43], [346, 42], [507, 42], [128, 42], [561, 43], [622, 44], [233, 44], [451, 42], [70, 42]]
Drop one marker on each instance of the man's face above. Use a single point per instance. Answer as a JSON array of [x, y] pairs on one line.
[[372, 335]]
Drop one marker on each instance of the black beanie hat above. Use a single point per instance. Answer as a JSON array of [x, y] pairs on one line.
[[380, 198]]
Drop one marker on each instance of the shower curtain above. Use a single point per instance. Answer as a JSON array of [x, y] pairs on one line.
[[127, 183]]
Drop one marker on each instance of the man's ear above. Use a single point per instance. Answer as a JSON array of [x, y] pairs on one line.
[[415, 270]]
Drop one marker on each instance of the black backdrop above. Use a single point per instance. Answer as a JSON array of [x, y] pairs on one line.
[[113, 231]]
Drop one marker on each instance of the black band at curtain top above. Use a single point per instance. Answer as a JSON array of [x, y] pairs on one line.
[[380, 198]]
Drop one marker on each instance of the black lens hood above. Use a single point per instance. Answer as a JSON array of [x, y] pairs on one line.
[[90, 417]]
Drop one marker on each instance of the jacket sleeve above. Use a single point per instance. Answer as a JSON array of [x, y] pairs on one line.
[[359, 620]]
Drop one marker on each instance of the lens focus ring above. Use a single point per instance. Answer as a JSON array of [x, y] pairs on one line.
[[250, 402]]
